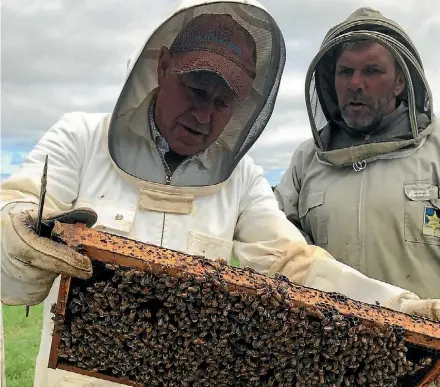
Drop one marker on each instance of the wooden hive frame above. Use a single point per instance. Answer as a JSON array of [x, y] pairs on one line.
[[125, 252]]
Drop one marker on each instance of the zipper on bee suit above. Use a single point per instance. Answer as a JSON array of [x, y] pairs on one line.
[[167, 182], [359, 166]]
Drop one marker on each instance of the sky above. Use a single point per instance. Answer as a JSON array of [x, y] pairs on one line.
[[59, 56]]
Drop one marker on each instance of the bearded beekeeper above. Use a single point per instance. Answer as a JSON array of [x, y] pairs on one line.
[[169, 167], [366, 187]]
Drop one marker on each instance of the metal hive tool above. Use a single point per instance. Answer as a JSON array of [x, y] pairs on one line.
[[152, 316]]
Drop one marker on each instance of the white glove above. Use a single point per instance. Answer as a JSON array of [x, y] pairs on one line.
[[297, 260], [31, 263], [429, 308]]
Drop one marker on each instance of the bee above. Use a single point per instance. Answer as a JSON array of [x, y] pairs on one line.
[[221, 262], [281, 277], [425, 362]]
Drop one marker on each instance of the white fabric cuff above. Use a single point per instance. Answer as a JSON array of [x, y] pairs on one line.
[[15, 292], [333, 276], [23, 284]]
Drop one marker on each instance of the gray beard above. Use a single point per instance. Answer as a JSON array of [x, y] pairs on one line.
[[371, 123], [368, 126]]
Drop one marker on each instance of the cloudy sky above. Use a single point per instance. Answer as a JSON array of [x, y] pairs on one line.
[[61, 55]]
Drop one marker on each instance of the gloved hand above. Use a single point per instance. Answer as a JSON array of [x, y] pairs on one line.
[[297, 260], [31, 263], [428, 308]]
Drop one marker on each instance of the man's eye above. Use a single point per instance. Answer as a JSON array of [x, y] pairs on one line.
[[372, 70], [197, 92], [345, 72], [220, 104]]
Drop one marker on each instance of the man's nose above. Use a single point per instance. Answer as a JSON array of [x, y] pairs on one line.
[[356, 81], [202, 113]]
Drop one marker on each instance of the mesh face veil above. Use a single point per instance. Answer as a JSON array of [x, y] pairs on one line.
[[364, 24], [251, 115]]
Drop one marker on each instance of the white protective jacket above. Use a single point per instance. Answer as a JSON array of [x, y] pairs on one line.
[[239, 215]]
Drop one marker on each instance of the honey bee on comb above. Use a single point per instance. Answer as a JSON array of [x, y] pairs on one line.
[[169, 319]]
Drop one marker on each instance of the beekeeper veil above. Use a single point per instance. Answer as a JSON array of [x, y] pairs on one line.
[[321, 100], [261, 69]]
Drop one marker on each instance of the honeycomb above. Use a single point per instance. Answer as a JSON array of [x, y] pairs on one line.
[[154, 317]]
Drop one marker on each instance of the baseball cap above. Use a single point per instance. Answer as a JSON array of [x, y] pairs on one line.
[[217, 43]]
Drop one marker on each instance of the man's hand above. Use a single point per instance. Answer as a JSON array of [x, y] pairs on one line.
[[26, 246], [30, 263], [429, 308], [297, 260]]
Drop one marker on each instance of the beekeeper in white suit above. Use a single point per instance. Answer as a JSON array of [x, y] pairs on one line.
[[169, 167]]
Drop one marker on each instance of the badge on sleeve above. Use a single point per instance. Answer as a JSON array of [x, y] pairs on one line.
[[431, 224]]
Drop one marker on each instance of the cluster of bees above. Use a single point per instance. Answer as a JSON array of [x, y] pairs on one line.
[[156, 329]]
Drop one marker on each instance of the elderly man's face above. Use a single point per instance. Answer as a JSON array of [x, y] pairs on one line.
[[192, 109], [366, 85]]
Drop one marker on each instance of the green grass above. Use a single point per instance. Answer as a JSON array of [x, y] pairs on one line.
[[234, 261], [22, 341]]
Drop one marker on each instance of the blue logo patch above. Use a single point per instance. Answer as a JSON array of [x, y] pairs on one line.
[[213, 37], [207, 38], [431, 223]]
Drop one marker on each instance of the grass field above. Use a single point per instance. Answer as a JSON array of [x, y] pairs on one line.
[[22, 340]]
